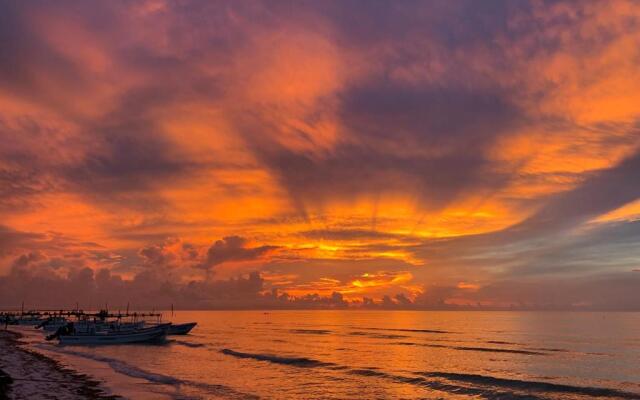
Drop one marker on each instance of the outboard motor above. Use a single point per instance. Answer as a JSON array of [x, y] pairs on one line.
[[67, 329], [43, 323]]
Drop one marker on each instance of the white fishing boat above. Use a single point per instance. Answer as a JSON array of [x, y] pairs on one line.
[[181, 329], [68, 336]]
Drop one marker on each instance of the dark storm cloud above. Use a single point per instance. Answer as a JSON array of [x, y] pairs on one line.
[[23, 52], [428, 138], [11, 239], [130, 153], [453, 126], [19, 187], [457, 119], [358, 170], [453, 23], [24, 171], [429, 114], [233, 248], [171, 253]]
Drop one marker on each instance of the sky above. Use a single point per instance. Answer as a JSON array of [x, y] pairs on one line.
[[392, 154]]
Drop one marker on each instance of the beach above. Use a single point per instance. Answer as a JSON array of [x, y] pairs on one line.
[[26, 374]]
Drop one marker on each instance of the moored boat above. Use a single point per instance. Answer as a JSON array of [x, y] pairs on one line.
[[52, 324], [28, 320], [68, 336], [181, 329]]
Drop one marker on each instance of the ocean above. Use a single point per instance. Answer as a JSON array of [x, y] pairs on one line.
[[374, 355]]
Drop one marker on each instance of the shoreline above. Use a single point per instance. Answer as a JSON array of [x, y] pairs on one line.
[[29, 374]]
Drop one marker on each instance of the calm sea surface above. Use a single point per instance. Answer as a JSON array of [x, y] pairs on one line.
[[376, 355]]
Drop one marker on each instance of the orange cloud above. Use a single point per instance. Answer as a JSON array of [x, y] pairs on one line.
[[437, 155]]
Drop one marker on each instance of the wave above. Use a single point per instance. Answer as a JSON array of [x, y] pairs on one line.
[[127, 369], [553, 350], [373, 372], [188, 344], [377, 335], [121, 367], [443, 386], [549, 349], [406, 330], [295, 361], [536, 386], [481, 386], [501, 342], [368, 372], [468, 348], [495, 350], [492, 387], [311, 331]]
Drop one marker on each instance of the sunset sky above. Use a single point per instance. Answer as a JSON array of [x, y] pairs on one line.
[[437, 152]]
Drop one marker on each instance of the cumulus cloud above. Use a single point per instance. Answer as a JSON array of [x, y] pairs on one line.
[[171, 253], [233, 248], [151, 290]]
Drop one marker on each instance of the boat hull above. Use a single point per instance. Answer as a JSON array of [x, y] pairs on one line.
[[181, 329], [154, 334], [29, 322]]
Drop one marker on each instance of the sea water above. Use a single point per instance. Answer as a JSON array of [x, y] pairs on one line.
[[375, 355]]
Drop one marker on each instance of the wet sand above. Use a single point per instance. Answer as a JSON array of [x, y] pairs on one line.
[[29, 375]]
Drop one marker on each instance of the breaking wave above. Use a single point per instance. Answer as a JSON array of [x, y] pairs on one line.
[[127, 369], [120, 366], [535, 386], [188, 344], [443, 386], [407, 330], [492, 387], [469, 348], [495, 350], [295, 361], [377, 335], [311, 331]]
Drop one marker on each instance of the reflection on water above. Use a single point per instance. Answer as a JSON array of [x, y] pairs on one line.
[[358, 354]]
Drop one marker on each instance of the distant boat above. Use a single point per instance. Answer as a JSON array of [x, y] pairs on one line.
[[181, 329], [67, 335]]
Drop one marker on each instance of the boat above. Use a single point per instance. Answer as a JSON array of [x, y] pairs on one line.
[[68, 336], [28, 320], [86, 326], [52, 324], [181, 329]]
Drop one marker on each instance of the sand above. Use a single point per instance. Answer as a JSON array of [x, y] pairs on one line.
[[29, 375]]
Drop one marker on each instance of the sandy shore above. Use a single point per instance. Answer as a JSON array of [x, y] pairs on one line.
[[26, 374]]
